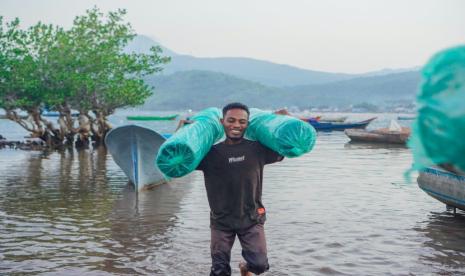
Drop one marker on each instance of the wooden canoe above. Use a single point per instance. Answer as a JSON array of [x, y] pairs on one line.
[[379, 136]]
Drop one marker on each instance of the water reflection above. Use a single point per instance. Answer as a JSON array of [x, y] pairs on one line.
[[341, 208], [75, 209], [47, 181], [140, 224], [361, 145], [50, 206], [444, 246]]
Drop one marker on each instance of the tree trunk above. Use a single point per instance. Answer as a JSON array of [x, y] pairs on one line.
[[67, 122], [54, 137], [100, 128], [84, 130], [28, 123]]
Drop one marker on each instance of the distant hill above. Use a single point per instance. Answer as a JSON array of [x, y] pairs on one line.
[[264, 72], [189, 82], [199, 89], [376, 89], [389, 71], [142, 44]]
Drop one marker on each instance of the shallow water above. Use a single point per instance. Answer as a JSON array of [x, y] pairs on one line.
[[344, 209]]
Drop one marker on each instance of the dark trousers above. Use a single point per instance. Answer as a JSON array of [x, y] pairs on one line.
[[253, 245]]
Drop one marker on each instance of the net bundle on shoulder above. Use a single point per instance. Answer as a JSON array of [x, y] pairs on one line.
[[185, 149], [439, 129]]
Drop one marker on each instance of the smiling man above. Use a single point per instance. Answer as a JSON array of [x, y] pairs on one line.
[[233, 172]]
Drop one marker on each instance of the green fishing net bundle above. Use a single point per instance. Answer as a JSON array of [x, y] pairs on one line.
[[183, 151], [438, 133], [286, 135]]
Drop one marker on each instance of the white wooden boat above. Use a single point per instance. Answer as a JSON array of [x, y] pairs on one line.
[[134, 149], [445, 186]]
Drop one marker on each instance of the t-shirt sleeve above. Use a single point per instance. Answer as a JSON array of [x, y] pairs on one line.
[[271, 156]]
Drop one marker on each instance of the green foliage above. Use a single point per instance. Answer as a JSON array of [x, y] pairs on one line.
[[45, 65], [14, 63], [83, 68], [103, 77], [28, 69]]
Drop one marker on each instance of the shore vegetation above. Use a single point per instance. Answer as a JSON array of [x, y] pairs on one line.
[[83, 69]]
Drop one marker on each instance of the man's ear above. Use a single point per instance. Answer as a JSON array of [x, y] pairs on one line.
[[221, 120]]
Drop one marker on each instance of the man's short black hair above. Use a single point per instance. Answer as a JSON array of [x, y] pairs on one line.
[[235, 106]]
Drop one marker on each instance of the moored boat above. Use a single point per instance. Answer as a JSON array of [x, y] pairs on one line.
[[406, 118], [445, 186], [134, 149], [151, 118], [333, 119], [383, 135], [329, 126]]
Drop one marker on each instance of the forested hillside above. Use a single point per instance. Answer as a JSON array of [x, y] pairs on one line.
[[200, 89]]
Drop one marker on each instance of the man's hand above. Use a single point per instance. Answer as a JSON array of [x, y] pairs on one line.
[[282, 111], [183, 122]]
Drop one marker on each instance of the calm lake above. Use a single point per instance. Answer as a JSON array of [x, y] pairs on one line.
[[343, 209]]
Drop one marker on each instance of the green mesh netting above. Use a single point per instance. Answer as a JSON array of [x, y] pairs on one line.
[[183, 151], [438, 132], [286, 135]]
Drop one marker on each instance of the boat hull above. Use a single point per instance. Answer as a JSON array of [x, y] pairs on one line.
[[134, 149], [447, 187], [389, 137], [405, 118], [328, 126]]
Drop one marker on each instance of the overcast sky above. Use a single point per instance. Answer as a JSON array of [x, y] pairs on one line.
[[350, 36]]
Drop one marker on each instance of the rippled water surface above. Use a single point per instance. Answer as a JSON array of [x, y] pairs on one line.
[[344, 209]]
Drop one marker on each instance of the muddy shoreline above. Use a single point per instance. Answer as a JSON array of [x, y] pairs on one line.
[[26, 144]]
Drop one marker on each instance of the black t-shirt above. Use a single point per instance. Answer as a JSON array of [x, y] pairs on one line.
[[233, 180]]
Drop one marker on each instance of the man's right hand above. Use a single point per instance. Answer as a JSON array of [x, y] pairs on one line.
[[183, 122], [282, 111]]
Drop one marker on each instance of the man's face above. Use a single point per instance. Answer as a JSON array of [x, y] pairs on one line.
[[235, 122]]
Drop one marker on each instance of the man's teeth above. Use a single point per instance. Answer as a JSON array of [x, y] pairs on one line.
[[235, 132]]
